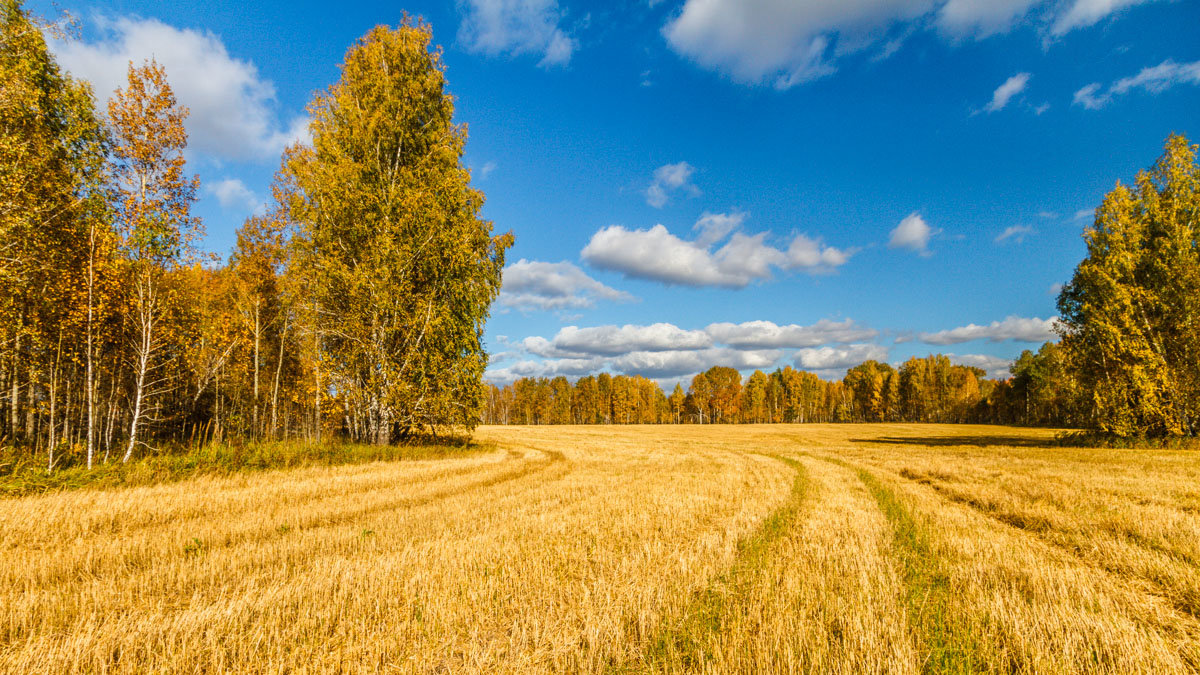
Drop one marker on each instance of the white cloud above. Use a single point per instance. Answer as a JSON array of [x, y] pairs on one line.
[[676, 364], [658, 255], [768, 335], [663, 350], [486, 170], [531, 284], [1084, 13], [572, 341], [996, 367], [788, 42], [652, 364], [1016, 233], [805, 253], [496, 27], [838, 358], [1154, 79], [1005, 92], [1013, 328], [714, 227], [1088, 98], [232, 108], [913, 233], [981, 18], [1084, 214], [669, 178], [785, 43], [552, 368], [233, 194]]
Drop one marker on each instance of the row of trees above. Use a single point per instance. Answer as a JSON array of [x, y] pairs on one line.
[[930, 389], [355, 305]]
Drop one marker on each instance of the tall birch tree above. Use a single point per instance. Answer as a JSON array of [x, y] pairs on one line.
[[401, 268], [154, 212]]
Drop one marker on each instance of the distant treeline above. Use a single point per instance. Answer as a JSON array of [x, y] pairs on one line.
[[930, 389]]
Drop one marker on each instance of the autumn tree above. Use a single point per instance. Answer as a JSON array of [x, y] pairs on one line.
[[754, 398], [868, 383], [400, 267], [53, 225], [257, 261], [676, 403], [154, 213], [1130, 312]]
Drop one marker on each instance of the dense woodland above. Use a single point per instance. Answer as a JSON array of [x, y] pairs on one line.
[[354, 307]]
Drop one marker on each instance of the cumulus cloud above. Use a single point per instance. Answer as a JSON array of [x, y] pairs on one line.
[[652, 364], [670, 178], [1014, 328], [1005, 92], [839, 358], [551, 368], [784, 43], [663, 350], [232, 194], [572, 341], [768, 335], [676, 364], [1016, 233], [996, 367], [658, 255], [532, 284], [913, 233], [232, 108], [787, 43], [713, 227], [495, 27], [1155, 80]]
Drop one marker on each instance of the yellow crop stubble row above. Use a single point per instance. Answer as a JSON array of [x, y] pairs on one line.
[[822, 548]]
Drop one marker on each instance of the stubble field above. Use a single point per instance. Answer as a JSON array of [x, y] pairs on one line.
[[826, 548]]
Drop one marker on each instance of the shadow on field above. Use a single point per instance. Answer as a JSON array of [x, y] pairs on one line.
[[947, 441]]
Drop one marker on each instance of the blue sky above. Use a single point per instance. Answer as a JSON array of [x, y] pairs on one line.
[[751, 183]]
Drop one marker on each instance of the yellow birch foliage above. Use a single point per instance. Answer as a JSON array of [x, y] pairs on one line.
[[1131, 311], [401, 269]]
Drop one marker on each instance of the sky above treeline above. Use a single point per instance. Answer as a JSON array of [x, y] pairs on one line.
[[748, 183]]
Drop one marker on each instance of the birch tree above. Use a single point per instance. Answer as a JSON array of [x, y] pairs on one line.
[[154, 200], [1131, 311], [401, 269]]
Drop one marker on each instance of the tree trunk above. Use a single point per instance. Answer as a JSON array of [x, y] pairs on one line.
[[257, 339], [89, 382], [275, 390], [143, 350]]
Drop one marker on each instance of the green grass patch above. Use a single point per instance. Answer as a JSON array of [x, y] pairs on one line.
[[946, 645], [684, 643], [22, 473]]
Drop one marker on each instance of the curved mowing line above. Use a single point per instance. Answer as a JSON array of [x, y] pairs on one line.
[[947, 645], [314, 522], [1181, 600], [683, 641]]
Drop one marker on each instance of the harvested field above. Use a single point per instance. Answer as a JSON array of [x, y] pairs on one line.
[[824, 548]]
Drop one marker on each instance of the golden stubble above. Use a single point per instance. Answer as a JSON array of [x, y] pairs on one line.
[[629, 549]]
